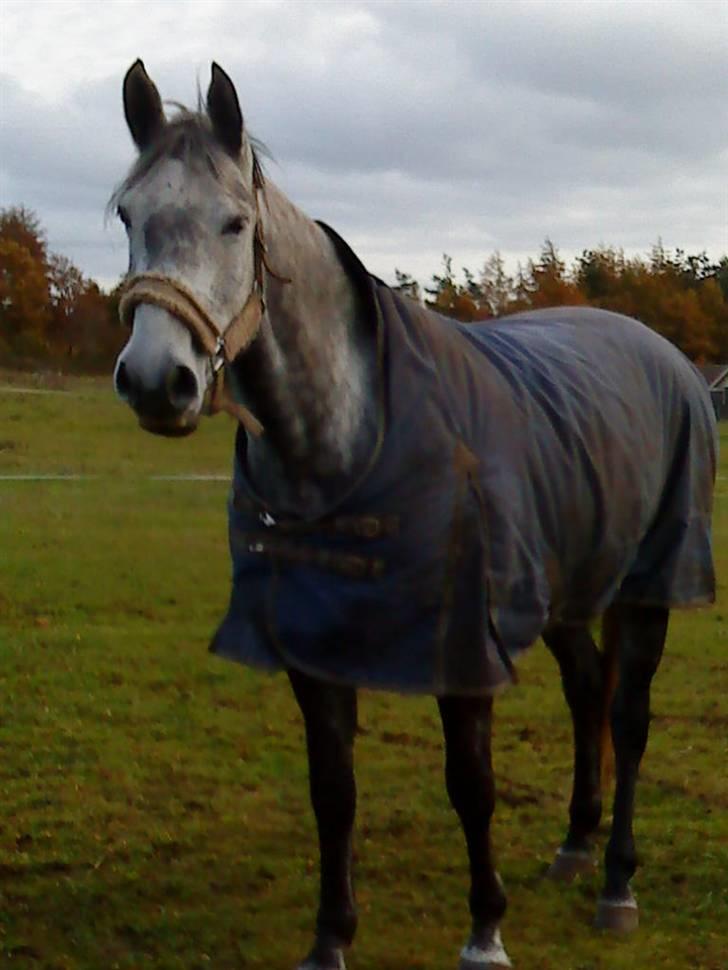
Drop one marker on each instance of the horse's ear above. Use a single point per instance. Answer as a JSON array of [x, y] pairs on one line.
[[223, 108], [142, 106]]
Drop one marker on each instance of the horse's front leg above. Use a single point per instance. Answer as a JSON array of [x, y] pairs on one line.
[[466, 723], [330, 717]]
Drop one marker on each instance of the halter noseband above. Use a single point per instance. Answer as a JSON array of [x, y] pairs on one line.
[[222, 344]]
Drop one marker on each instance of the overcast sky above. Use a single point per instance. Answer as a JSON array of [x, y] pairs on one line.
[[414, 128]]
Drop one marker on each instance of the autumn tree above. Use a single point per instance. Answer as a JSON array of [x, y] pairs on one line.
[[463, 301], [24, 303], [93, 333], [407, 285], [548, 282], [721, 275], [442, 291], [678, 295], [714, 298], [24, 293], [496, 286], [598, 273], [66, 284], [22, 226], [48, 309]]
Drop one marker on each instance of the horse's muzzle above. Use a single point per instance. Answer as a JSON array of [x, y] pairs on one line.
[[171, 408]]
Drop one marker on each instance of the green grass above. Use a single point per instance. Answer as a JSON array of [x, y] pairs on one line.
[[154, 809]]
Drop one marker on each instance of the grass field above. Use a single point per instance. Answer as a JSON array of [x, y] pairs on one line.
[[153, 800]]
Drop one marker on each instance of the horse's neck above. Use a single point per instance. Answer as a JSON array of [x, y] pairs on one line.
[[310, 374]]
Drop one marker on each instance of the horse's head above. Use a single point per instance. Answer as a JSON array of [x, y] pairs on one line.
[[190, 208]]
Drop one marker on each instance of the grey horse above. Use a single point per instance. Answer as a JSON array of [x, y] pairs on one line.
[[414, 501]]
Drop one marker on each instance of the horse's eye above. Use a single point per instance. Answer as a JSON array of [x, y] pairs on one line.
[[123, 215], [234, 226]]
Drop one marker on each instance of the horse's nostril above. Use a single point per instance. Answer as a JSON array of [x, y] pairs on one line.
[[122, 382], [181, 387]]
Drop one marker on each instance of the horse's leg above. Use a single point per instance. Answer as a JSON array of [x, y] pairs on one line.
[[330, 716], [641, 632], [582, 678], [466, 723]]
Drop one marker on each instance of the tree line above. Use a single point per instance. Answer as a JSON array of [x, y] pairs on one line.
[[684, 297], [51, 314]]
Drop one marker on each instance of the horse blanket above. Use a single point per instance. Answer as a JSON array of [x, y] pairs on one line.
[[529, 470]]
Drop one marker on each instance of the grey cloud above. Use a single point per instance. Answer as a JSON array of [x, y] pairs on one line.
[[62, 162], [421, 127]]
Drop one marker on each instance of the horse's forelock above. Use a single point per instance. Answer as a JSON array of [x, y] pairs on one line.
[[188, 137]]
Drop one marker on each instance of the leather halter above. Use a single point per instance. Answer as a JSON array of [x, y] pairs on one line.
[[222, 344]]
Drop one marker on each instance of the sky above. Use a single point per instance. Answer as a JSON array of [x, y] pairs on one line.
[[413, 128]]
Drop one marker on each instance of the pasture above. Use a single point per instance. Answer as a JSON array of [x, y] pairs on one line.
[[153, 800]]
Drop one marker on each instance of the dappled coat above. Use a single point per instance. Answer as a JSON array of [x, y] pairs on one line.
[[528, 470]]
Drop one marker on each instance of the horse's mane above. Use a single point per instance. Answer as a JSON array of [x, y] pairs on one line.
[[187, 136]]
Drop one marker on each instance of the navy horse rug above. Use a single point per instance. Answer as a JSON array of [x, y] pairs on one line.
[[529, 470]]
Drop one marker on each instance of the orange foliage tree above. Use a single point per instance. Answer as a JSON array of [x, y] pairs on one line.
[[48, 310], [24, 303]]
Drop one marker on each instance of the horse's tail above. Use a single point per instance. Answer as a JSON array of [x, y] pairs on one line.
[[610, 673]]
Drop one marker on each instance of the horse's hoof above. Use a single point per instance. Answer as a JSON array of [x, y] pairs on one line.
[[493, 956], [336, 962], [570, 863], [617, 915], [315, 965]]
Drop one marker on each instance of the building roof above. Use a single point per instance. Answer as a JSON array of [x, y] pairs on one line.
[[716, 375]]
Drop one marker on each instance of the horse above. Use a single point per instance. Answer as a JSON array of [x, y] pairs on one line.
[[415, 501]]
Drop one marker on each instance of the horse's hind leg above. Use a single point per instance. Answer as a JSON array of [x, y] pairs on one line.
[[641, 633], [330, 716], [469, 774], [582, 677]]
